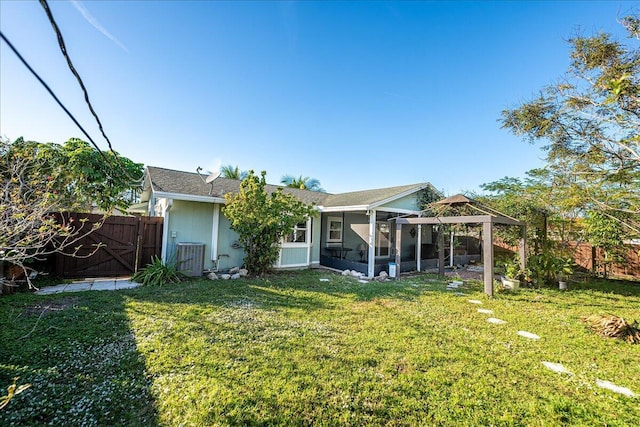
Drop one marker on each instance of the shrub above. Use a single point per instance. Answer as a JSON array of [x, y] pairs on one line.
[[158, 273]]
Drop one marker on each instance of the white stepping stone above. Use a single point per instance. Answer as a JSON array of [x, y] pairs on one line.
[[496, 321], [557, 367], [528, 335], [474, 301], [485, 311], [362, 281], [616, 388], [324, 280], [460, 293]]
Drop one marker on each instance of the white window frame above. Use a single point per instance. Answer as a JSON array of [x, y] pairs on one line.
[[307, 235], [329, 230]]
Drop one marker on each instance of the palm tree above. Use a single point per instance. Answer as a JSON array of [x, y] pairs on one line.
[[303, 183], [232, 172]]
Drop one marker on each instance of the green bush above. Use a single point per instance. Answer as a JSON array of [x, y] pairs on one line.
[[158, 273]]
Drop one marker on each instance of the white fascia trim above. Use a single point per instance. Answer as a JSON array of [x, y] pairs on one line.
[[398, 210], [344, 208], [190, 197], [399, 196]]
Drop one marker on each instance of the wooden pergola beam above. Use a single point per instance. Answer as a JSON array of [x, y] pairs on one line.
[[466, 219]]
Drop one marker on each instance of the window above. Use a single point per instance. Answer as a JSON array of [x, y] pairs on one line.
[[298, 235], [334, 229], [383, 240]]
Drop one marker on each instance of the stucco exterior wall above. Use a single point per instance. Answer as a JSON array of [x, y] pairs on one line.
[[408, 202], [229, 255], [190, 222]]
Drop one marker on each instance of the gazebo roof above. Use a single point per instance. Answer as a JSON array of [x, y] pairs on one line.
[[467, 210], [453, 200]]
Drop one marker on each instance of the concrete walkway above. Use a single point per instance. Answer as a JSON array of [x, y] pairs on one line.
[[90, 285]]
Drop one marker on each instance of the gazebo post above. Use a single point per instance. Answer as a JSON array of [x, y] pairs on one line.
[[487, 244], [522, 247]]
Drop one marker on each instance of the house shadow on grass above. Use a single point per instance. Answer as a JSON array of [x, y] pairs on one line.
[[79, 355], [625, 288]]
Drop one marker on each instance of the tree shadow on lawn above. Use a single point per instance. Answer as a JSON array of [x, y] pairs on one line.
[[79, 354], [625, 288], [600, 294]]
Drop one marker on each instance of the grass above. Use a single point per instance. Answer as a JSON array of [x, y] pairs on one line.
[[294, 350]]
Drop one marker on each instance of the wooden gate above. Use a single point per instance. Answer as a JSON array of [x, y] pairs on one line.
[[127, 243]]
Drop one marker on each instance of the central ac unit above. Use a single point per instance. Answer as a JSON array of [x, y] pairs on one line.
[[190, 258]]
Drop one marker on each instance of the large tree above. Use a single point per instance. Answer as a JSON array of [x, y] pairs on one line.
[[301, 182], [590, 124], [262, 220], [41, 181]]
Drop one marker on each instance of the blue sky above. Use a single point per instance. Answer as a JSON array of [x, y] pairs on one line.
[[356, 94]]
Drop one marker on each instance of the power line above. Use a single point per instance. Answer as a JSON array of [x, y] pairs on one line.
[[63, 48], [46, 86]]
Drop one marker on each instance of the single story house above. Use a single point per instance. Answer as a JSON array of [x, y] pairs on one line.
[[351, 231]]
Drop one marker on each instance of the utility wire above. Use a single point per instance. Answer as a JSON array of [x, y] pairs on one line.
[[63, 48], [46, 86]]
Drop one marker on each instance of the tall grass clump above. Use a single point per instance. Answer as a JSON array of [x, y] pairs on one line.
[[158, 273]]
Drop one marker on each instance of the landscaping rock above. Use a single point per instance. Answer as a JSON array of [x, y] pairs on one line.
[[235, 276], [346, 273], [234, 270], [356, 274], [225, 276], [213, 276], [243, 272], [383, 276]]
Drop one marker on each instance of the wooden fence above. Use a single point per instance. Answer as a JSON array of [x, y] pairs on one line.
[[588, 256], [127, 243]]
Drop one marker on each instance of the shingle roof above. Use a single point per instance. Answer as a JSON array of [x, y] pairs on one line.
[[369, 197], [190, 183]]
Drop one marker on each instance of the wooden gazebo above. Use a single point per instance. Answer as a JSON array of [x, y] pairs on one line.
[[484, 215]]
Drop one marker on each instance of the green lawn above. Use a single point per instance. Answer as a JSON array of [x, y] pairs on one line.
[[295, 350]]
